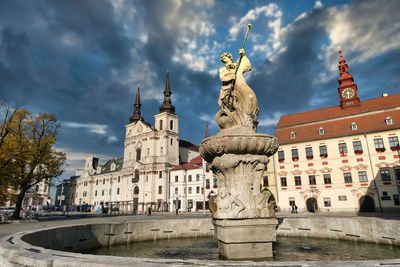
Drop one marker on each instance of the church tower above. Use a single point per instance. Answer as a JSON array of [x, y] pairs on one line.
[[348, 91]]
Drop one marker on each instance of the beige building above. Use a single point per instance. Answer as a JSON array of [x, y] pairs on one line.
[[341, 158]]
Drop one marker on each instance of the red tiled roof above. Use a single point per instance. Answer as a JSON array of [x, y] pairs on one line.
[[341, 126], [195, 163], [322, 114]]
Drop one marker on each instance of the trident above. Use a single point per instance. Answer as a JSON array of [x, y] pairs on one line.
[[229, 101]]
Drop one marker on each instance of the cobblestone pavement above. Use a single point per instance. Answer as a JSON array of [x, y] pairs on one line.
[[75, 218]]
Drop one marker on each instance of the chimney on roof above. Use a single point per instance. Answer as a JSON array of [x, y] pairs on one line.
[[384, 94]]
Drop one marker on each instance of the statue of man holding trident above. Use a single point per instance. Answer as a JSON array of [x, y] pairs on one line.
[[236, 98]]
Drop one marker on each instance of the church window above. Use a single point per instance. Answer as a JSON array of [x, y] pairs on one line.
[[162, 151], [292, 135], [354, 126], [171, 125], [117, 191], [160, 174], [321, 130], [138, 154], [161, 124], [95, 193], [160, 190], [388, 121], [119, 179], [102, 192], [171, 141], [136, 190]]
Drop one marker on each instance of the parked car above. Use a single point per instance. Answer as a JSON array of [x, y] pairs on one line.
[[86, 208]]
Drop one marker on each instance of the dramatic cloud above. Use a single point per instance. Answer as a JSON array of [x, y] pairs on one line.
[[83, 60]]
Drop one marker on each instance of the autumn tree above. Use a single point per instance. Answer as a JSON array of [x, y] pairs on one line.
[[33, 158]]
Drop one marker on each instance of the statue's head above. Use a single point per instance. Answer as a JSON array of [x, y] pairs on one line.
[[226, 57]]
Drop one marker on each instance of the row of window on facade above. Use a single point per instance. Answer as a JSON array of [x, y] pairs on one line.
[[190, 190], [362, 175], [353, 126], [190, 179], [357, 147]]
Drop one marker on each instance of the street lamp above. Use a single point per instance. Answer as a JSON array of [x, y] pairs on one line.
[[110, 205]]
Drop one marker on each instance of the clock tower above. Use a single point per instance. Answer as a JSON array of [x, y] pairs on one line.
[[348, 91]]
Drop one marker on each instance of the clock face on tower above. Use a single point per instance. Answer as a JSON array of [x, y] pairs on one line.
[[348, 93]]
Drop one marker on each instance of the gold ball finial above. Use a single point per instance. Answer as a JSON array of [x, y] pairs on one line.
[[249, 25]]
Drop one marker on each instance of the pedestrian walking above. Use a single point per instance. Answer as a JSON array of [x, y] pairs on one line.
[[149, 212], [295, 208]]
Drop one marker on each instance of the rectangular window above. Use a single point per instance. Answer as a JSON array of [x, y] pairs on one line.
[[119, 179], [84, 193], [215, 182], [312, 179], [160, 174], [379, 146], [197, 189], [297, 180], [327, 178], [363, 176], [190, 178], [283, 181], [102, 192], [160, 190], [97, 182], [190, 190], [323, 151], [357, 147], [394, 143], [176, 190], [117, 191], [95, 193], [104, 181], [309, 153], [197, 177], [295, 154], [265, 181], [327, 202], [342, 149], [176, 178], [207, 183], [281, 156], [85, 183], [385, 175], [342, 198], [347, 177]]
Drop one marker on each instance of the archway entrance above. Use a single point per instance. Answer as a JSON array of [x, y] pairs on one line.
[[311, 204], [367, 204]]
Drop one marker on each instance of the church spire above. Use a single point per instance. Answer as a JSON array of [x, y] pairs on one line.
[[137, 116], [348, 90], [206, 130], [167, 103]]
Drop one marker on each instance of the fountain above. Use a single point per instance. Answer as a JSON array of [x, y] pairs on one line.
[[243, 217]]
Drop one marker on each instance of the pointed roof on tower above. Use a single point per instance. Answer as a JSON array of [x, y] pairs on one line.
[[345, 78], [167, 103], [137, 115], [206, 130], [348, 91]]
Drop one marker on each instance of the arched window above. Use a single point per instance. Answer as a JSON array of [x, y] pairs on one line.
[[138, 154], [171, 141], [136, 190], [161, 124], [171, 125]]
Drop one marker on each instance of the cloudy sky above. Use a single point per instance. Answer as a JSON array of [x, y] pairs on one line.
[[82, 60]]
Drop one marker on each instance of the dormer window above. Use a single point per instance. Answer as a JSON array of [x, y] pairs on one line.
[[321, 130], [354, 126], [112, 166], [292, 135], [99, 169], [388, 121]]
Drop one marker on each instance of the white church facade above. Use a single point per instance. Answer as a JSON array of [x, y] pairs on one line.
[[141, 178]]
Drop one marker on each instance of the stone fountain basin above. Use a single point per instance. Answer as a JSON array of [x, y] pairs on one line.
[[240, 144]]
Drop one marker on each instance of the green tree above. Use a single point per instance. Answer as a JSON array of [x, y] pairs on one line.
[[31, 153]]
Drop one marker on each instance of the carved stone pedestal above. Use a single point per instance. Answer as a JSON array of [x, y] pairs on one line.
[[245, 239]]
